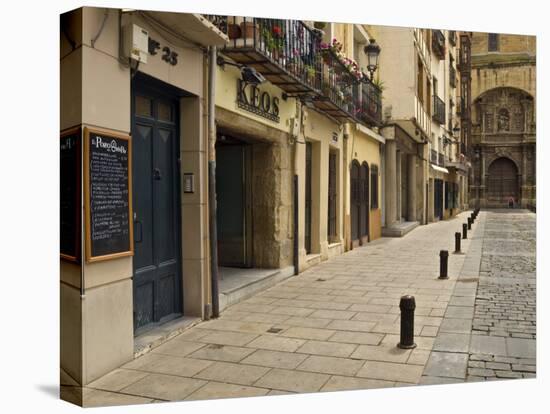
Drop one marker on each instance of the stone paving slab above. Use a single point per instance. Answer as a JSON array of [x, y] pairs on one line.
[[295, 381], [331, 365], [164, 387], [232, 373], [391, 371]]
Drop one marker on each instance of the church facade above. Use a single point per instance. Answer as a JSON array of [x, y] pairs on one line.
[[503, 170]]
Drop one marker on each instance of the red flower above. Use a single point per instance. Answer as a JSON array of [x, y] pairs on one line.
[[277, 31]]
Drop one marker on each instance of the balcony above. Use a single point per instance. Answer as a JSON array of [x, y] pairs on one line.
[[288, 54], [369, 105], [433, 156], [452, 76], [340, 88], [438, 44], [438, 110], [285, 52], [195, 27]]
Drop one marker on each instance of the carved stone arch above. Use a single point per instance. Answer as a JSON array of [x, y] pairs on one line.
[[503, 109], [502, 153]]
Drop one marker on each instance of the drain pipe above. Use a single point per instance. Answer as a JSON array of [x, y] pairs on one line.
[[212, 181]]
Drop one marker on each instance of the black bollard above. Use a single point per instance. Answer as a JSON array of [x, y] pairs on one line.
[[443, 262], [457, 242], [469, 223], [464, 231], [407, 306], [473, 218]]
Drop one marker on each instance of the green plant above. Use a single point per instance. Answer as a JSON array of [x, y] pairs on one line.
[[379, 84], [273, 37]]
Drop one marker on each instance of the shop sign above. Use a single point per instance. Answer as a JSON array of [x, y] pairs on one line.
[[252, 99]]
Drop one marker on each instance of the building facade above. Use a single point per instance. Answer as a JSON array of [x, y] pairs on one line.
[[503, 120], [425, 162]]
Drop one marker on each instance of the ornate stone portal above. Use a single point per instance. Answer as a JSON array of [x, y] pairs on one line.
[[504, 149]]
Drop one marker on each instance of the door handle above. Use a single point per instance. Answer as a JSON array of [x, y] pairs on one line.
[[136, 223], [156, 174]]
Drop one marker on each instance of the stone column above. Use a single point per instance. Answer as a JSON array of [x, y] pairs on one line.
[[390, 183], [399, 196], [411, 190]]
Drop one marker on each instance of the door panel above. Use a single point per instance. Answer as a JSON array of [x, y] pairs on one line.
[[142, 195], [163, 183], [231, 201], [157, 234], [502, 182]]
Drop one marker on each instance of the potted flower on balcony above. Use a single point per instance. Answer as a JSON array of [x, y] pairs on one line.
[[273, 40], [310, 73]]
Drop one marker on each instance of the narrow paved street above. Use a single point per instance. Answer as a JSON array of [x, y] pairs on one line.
[[336, 326], [505, 302]]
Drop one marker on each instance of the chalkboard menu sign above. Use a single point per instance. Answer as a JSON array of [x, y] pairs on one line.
[[107, 192], [70, 156]]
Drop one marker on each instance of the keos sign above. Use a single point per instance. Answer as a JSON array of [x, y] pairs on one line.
[[252, 99]]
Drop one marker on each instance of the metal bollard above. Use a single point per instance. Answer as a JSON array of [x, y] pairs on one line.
[[407, 306], [473, 218], [464, 231], [457, 242], [443, 264], [469, 223]]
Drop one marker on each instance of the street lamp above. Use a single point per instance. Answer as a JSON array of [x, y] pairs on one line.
[[372, 50]]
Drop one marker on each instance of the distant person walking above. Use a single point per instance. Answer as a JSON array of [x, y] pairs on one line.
[[511, 202]]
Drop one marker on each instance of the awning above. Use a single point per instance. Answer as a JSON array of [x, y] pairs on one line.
[[440, 169]]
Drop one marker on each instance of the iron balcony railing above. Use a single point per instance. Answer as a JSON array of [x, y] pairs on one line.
[[369, 106], [289, 55], [438, 44], [285, 52], [438, 110], [433, 156], [452, 76], [340, 88]]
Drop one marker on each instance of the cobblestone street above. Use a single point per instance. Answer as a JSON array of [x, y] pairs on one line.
[[336, 326], [505, 302]]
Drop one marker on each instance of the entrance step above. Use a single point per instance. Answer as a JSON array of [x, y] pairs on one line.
[[239, 284], [399, 229], [157, 336]]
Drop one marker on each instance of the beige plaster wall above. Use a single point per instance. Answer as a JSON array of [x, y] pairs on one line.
[[365, 148], [397, 70]]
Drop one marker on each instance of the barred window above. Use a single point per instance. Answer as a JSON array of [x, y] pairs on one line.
[[374, 187]]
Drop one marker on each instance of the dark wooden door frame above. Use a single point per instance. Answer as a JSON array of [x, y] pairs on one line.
[[155, 90]]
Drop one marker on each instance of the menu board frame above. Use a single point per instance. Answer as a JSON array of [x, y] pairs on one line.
[[87, 197], [76, 131]]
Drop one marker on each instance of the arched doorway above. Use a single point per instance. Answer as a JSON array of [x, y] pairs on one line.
[[502, 183], [359, 202]]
